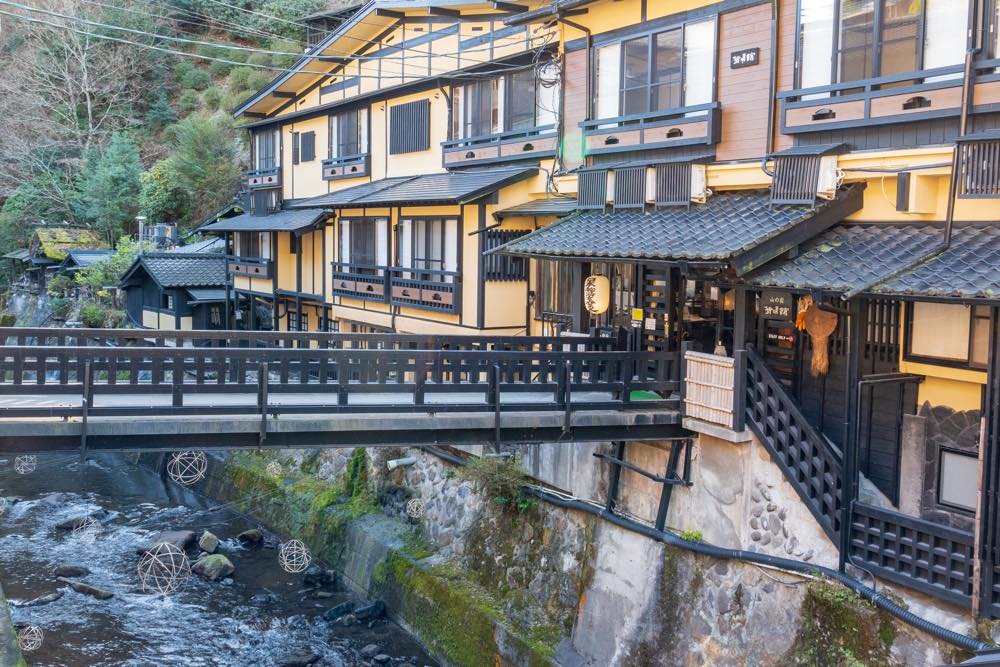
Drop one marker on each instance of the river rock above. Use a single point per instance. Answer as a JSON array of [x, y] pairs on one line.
[[303, 659], [213, 567], [87, 589], [40, 600], [179, 538], [74, 523], [208, 542], [334, 614], [381, 658], [71, 571], [369, 651], [263, 597], [370, 611], [318, 577], [251, 538]]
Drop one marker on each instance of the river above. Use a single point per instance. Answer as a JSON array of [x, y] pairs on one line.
[[261, 617]]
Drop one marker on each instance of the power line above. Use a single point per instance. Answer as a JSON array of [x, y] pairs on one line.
[[224, 60]]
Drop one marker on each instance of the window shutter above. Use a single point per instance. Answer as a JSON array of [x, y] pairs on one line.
[[410, 127], [308, 147], [593, 189], [295, 147], [345, 241], [381, 242], [630, 187], [406, 243], [673, 184]]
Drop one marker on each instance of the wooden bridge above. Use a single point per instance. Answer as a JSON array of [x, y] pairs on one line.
[[135, 390]]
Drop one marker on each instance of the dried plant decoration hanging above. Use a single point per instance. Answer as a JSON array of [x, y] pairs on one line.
[[820, 324]]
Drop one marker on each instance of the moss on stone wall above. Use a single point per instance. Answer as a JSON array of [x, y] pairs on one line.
[[840, 629]]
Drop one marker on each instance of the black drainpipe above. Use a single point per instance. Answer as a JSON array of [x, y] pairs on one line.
[[944, 634]]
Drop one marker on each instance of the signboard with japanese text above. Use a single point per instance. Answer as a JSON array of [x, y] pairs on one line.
[[776, 305], [744, 58]]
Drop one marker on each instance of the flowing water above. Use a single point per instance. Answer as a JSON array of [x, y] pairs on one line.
[[261, 617]]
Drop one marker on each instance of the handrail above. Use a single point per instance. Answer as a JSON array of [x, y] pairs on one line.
[[649, 115], [270, 171], [598, 379], [498, 137], [869, 84], [343, 159]]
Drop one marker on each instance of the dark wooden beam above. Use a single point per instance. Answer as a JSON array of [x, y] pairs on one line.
[[333, 59], [284, 94], [389, 13], [254, 114], [444, 11], [509, 7]]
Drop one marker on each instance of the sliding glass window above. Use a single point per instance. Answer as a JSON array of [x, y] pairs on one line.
[[428, 243], [853, 40], [364, 243], [665, 70], [518, 101], [266, 149], [348, 133]]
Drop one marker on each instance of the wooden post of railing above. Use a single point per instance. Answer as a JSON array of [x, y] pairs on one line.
[[262, 382], [495, 391], [685, 346], [176, 381], [343, 379], [88, 398], [568, 397], [740, 390]]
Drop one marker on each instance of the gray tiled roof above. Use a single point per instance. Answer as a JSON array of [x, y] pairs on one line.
[[557, 206], [456, 187], [969, 269], [728, 225], [853, 256], [84, 258], [209, 245], [183, 270], [282, 221], [206, 294]]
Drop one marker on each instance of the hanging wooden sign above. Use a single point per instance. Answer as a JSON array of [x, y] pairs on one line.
[[775, 305]]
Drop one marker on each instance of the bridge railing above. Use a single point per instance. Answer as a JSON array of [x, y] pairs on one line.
[[324, 379], [28, 337]]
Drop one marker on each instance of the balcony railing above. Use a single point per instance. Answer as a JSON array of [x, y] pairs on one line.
[[432, 289], [262, 178], [361, 281], [535, 142], [899, 98], [680, 126], [255, 267], [346, 166]]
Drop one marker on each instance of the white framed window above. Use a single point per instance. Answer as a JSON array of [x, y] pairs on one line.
[[364, 242], [958, 479], [520, 100], [428, 245], [347, 133], [954, 334], [266, 149]]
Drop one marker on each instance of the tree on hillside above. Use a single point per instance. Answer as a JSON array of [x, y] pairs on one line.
[[163, 198], [109, 271], [206, 150], [109, 191]]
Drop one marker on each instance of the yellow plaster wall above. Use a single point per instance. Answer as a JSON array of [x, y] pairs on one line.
[[285, 262], [408, 164], [154, 319], [306, 178], [187, 323]]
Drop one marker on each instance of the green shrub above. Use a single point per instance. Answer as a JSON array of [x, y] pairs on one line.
[[188, 101], [195, 79], [60, 308], [59, 285], [213, 98], [501, 479], [7, 319], [116, 319], [248, 78], [692, 535], [92, 316]]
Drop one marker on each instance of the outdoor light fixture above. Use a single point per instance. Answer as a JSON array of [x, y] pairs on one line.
[[596, 294]]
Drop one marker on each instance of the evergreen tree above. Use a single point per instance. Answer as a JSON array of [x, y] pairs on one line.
[[109, 192]]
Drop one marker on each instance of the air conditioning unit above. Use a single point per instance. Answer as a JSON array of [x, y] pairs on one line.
[[699, 183], [830, 177]]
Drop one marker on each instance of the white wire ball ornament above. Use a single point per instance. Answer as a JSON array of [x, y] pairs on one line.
[[163, 569], [294, 557], [274, 469], [29, 638], [414, 508], [25, 464], [86, 529], [186, 468]]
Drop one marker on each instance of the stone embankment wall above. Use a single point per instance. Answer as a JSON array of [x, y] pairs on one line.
[[10, 652], [485, 583]]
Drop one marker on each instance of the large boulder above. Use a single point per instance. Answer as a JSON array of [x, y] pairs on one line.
[[334, 614], [319, 577], [303, 658], [40, 600], [213, 567], [87, 589], [71, 571], [251, 538], [181, 539], [370, 611], [208, 542]]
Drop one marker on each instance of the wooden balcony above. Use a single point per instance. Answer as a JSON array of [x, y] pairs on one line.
[[536, 142], [255, 267], [361, 281], [681, 126], [900, 98], [347, 166], [430, 289], [262, 178]]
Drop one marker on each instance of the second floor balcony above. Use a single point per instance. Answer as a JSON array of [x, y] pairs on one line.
[[535, 142], [346, 166], [254, 267], [262, 178], [679, 126], [427, 289]]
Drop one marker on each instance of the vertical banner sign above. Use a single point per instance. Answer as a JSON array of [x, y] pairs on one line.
[[776, 305]]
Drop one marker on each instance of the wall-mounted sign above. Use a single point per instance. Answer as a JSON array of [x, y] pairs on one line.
[[744, 58], [637, 318], [776, 305], [596, 294]]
